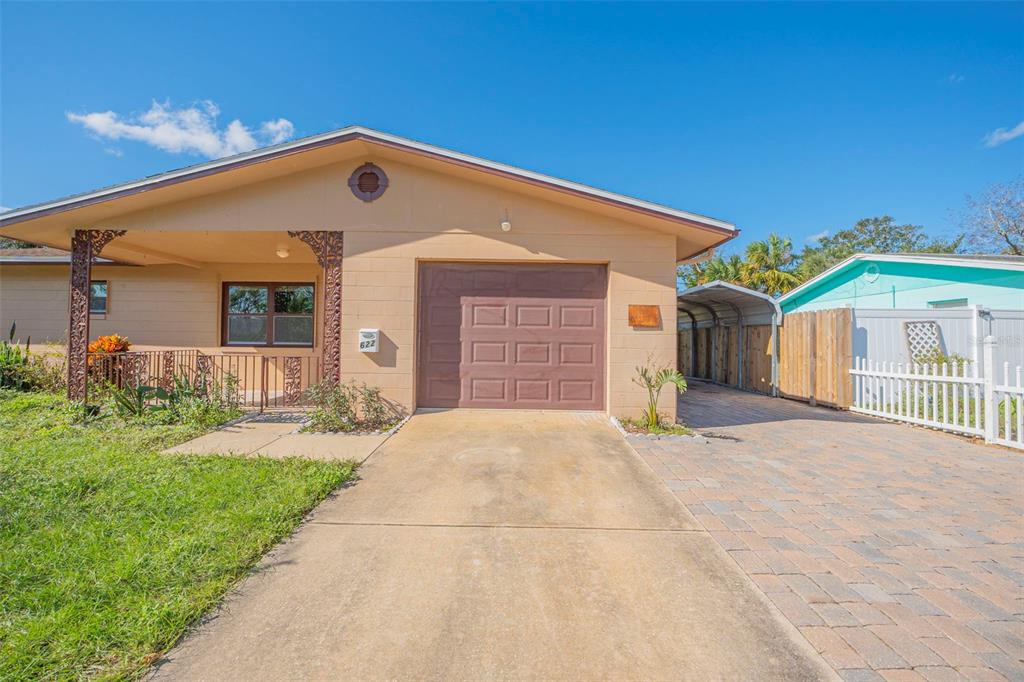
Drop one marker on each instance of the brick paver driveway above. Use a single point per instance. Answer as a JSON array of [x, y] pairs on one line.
[[898, 552]]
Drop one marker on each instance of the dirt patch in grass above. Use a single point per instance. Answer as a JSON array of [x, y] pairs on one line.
[[109, 550]]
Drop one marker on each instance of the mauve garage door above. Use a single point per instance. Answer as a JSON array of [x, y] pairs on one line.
[[512, 336]]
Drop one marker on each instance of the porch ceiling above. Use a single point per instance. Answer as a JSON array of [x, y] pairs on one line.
[[197, 248]]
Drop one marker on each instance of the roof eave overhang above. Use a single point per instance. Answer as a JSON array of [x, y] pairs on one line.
[[681, 218]]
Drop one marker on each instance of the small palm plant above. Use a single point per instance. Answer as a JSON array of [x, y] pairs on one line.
[[655, 379]]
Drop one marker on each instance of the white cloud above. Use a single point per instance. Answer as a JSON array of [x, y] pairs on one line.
[[113, 151], [1002, 135], [816, 237], [191, 130], [278, 131], [955, 78], [5, 209]]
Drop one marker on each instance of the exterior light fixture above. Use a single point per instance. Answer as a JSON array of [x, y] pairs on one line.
[[506, 226], [283, 252]]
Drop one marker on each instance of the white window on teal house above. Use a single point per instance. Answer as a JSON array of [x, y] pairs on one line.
[[948, 303]]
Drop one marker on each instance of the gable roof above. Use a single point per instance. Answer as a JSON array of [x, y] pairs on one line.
[[727, 230], [997, 262]]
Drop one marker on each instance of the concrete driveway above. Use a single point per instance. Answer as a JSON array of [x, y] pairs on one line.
[[499, 545]]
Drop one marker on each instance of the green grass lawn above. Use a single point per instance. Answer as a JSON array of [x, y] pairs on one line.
[[109, 550]]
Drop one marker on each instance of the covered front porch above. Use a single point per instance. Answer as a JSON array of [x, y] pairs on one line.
[[256, 313]]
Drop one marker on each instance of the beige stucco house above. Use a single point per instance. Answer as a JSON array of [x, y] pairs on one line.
[[488, 285]]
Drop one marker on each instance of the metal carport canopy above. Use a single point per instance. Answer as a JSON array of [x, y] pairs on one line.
[[721, 303]]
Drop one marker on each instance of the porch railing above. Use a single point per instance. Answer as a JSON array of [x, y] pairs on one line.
[[259, 381]]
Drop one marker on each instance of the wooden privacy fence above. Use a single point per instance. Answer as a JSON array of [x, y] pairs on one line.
[[816, 365], [957, 396], [717, 358], [815, 357]]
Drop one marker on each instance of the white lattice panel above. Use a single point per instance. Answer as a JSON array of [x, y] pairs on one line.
[[923, 339]]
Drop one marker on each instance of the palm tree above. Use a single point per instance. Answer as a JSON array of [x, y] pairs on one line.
[[654, 379], [769, 265], [716, 268], [731, 270]]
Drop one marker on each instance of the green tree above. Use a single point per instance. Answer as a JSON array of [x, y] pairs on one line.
[[875, 235], [880, 234], [812, 262], [769, 265]]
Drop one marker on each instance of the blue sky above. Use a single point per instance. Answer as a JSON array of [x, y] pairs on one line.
[[796, 118]]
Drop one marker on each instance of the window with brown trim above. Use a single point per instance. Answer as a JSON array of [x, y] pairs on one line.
[[268, 314]]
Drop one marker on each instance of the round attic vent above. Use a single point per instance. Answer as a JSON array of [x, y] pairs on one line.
[[368, 182], [871, 272]]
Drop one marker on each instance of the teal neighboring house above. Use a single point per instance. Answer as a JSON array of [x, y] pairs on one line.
[[913, 282]]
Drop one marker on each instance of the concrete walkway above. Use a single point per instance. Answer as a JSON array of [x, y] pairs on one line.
[[486, 545], [897, 551], [276, 435]]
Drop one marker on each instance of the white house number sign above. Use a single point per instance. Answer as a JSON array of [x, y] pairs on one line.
[[369, 340]]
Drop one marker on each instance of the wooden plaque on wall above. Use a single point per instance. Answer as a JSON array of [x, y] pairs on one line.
[[645, 316]]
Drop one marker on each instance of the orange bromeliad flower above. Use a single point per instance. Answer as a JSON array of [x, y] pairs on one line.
[[114, 343]]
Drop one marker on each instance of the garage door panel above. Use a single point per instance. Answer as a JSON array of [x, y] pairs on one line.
[[489, 315], [527, 336], [488, 352], [493, 389], [577, 317], [534, 316], [576, 391], [538, 390], [577, 354], [533, 354]]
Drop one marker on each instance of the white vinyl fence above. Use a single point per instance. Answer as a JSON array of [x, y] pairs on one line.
[[878, 334], [986, 401]]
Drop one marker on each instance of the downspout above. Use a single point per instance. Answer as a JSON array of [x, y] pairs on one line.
[[693, 344], [742, 339], [775, 355], [714, 352]]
